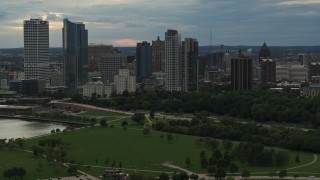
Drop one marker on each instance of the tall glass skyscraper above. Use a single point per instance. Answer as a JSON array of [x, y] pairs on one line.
[[75, 49], [144, 60], [36, 50]]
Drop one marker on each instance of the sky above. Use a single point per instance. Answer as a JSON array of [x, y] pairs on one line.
[[126, 22]]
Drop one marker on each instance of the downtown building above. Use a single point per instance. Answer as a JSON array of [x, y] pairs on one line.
[[268, 71], [36, 50], [172, 60], [158, 48], [241, 73], [143, 61], [95, 51], [189, 65], [124, 82], [75, 50], [111, 63]]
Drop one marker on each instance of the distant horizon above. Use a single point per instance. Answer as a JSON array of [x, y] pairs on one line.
[[199, 46]]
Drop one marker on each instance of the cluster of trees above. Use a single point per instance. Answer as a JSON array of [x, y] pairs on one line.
[[12, 143], [14, 172], [246, 153], [257, 105], [228, 128], [52, 148]]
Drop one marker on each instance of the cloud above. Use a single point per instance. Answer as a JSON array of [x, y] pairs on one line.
[[232, 21], [125, 42]]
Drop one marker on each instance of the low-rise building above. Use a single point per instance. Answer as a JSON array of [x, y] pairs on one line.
[[98, 87]]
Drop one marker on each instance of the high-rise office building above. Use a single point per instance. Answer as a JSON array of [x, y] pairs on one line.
[[268, 71], [264, 52], [158, 55], [75, 49], [95, 52], [190, 51], [111, 63], [241, 73], [172, 60], [36, 50], [144, 60]]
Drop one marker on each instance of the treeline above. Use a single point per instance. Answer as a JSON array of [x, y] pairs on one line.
[[259, 105], [230, 129], [52, 148], [246, 153]]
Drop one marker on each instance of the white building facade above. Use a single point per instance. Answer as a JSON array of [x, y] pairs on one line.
[[36, 50], [123, 81], [172, 61]]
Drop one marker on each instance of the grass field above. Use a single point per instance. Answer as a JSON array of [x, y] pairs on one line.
[[92, 146], [10, 159]]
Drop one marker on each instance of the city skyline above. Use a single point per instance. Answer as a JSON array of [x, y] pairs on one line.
[[124, 23]]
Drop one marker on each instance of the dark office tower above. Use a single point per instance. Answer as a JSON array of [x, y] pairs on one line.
[[111, 63], [241, 73], [75, 49], [190, 53], [172, 61], [158, 55], [144, 60], [314, 70], [264, 52], [268, 71], [36, 50], [95, 52]]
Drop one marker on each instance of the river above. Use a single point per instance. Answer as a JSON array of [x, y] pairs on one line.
[[15, 128]]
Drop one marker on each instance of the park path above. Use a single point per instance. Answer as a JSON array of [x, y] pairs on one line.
[[315, 158]]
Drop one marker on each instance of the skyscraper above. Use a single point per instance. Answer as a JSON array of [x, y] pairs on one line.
[[75, 49], [189, 68], [144, 60], [268, 71], [172, 60], [264, 52], [158, 55], [241, 73], [36, 50]]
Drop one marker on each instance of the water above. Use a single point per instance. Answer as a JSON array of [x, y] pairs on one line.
[[15, 128]]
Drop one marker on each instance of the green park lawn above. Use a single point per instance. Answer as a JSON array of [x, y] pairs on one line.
[[92, 146], [14, 158]]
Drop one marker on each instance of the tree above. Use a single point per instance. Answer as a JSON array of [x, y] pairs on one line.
[[233, 168], [296, 175], [227, 144], [220, 173], [106, 162], [120, 164], [194, 177], [169, 137], [146, 131], [282, 173], [138, 118], [151, 114], [245, 174], [211, 169], [164, 176], [136, 176], [113, 163], [124, 123], [188, 161], [72, 170], [20, 172], [297, 159], [103, 123]]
